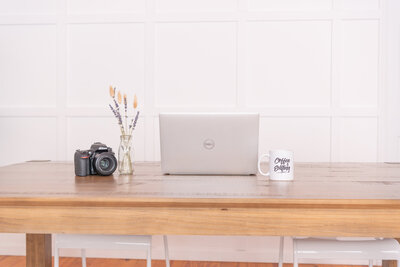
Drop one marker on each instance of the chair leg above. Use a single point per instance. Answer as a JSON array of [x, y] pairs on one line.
[[149, 256], [295, 263], [166, 251], [56, 257], [281, 245], [83, 253], [370, 263]]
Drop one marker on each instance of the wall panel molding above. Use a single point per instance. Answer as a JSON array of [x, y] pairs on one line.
[[147, 31]]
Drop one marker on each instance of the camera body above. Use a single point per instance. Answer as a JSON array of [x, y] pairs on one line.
[[98, 160]]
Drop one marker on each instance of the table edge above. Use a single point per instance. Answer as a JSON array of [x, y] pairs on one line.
[[199, 202]]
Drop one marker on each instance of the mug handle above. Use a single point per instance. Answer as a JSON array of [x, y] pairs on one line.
[[259, 164]]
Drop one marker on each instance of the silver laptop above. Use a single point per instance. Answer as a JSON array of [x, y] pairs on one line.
[[209, 143]]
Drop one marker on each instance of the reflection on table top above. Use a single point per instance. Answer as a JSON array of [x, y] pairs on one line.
[[358, 181]]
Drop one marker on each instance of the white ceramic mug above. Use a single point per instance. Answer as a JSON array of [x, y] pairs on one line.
[[280, 165]]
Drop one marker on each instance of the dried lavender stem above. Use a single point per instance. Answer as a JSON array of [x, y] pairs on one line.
[[118, 116], [133, 125], [126, 112]]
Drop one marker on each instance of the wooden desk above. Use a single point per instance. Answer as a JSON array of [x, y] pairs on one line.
[[336, 199]]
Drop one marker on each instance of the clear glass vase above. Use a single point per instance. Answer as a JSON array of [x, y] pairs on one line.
[[125, 155]]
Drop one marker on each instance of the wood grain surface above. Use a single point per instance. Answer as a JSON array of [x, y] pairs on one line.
[[325, 199], [375, 181], [38, 250]]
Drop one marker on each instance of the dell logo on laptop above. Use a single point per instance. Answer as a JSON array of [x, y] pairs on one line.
[[208, 144]]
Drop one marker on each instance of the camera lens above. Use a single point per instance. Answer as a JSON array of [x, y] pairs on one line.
[[105, 163]]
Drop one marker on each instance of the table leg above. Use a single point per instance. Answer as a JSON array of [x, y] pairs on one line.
[[391, 263], [38, 250]]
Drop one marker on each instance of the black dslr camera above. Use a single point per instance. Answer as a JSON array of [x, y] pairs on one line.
[[99, 159]]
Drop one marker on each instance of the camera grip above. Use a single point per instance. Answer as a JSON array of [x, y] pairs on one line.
[[81, 162]]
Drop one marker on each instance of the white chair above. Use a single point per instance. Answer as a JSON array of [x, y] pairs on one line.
[[125, 242], [367, 249], [281, 243]]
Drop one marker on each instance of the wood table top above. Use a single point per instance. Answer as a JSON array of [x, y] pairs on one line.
[[365, 183], [324, 199]]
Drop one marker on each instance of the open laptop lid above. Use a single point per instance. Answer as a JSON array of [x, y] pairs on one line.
[[209, 143]]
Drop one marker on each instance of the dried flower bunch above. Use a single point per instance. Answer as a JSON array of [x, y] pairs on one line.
[[126, 129]]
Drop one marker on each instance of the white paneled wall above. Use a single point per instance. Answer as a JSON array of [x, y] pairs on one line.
[[28, 65], [359, 83], [203, 56], [288, 64], [312, 68], [320, 72]]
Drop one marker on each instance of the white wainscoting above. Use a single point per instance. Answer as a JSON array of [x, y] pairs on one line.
[[313, 69], [322, 74]]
